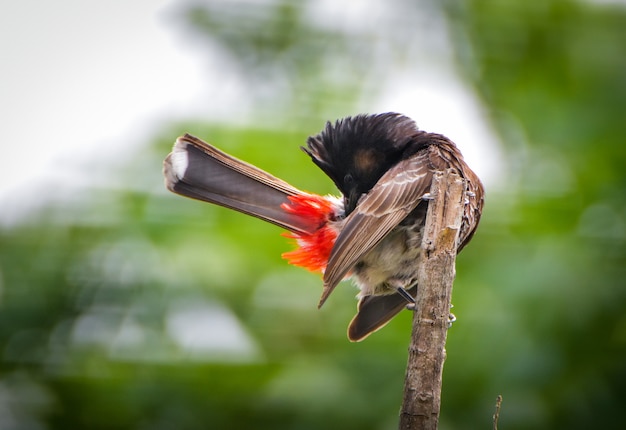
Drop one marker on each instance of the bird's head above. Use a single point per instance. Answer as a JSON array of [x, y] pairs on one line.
[[356, 151]]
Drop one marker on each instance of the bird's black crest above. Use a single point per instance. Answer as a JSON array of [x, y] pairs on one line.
[[356, 151]]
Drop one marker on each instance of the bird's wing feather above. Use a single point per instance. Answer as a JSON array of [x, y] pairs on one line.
[[393, 197]]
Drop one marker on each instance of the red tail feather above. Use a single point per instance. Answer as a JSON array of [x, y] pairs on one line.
[[313, 249]]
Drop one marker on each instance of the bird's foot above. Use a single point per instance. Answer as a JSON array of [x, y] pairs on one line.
[[451, 319]]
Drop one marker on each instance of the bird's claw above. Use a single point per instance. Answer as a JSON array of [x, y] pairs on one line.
[[451, 319]]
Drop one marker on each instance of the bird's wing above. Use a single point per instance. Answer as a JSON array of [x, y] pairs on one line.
[[394, 196]]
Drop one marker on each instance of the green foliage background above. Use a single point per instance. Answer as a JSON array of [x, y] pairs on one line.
[[91, 290]]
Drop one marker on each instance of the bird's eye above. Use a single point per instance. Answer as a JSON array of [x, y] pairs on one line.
[[348, 179]]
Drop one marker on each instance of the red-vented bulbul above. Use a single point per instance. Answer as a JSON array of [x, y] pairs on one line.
[[383, 165]]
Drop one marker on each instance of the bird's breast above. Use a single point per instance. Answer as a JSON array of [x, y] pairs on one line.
[[393, 261]]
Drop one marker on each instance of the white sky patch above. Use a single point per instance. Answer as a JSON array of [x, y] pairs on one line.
[[443, 105], [83, 80]]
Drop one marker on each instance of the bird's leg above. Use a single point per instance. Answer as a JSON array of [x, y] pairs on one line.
[[402, 290], [411, 303], [406, 296]]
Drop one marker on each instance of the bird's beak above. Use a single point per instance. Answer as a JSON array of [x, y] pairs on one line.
[[351, 200]]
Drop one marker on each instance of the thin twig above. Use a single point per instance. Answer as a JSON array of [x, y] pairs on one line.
[[496, 415], [422, 388]]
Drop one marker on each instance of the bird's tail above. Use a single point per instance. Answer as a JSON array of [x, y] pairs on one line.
[[374, 312], [200, 171]]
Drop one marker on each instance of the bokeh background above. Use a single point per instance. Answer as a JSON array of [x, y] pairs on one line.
[[123, 306]]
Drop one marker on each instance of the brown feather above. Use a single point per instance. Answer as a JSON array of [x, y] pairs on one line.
[[216, 177], [393, 197], [374, 312]]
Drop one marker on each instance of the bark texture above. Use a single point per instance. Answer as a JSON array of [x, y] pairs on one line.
[[422, 387]]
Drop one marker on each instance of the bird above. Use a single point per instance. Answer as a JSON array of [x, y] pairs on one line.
[[383, 166]]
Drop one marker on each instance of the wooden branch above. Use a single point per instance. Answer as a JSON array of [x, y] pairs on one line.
[[422, 386]]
